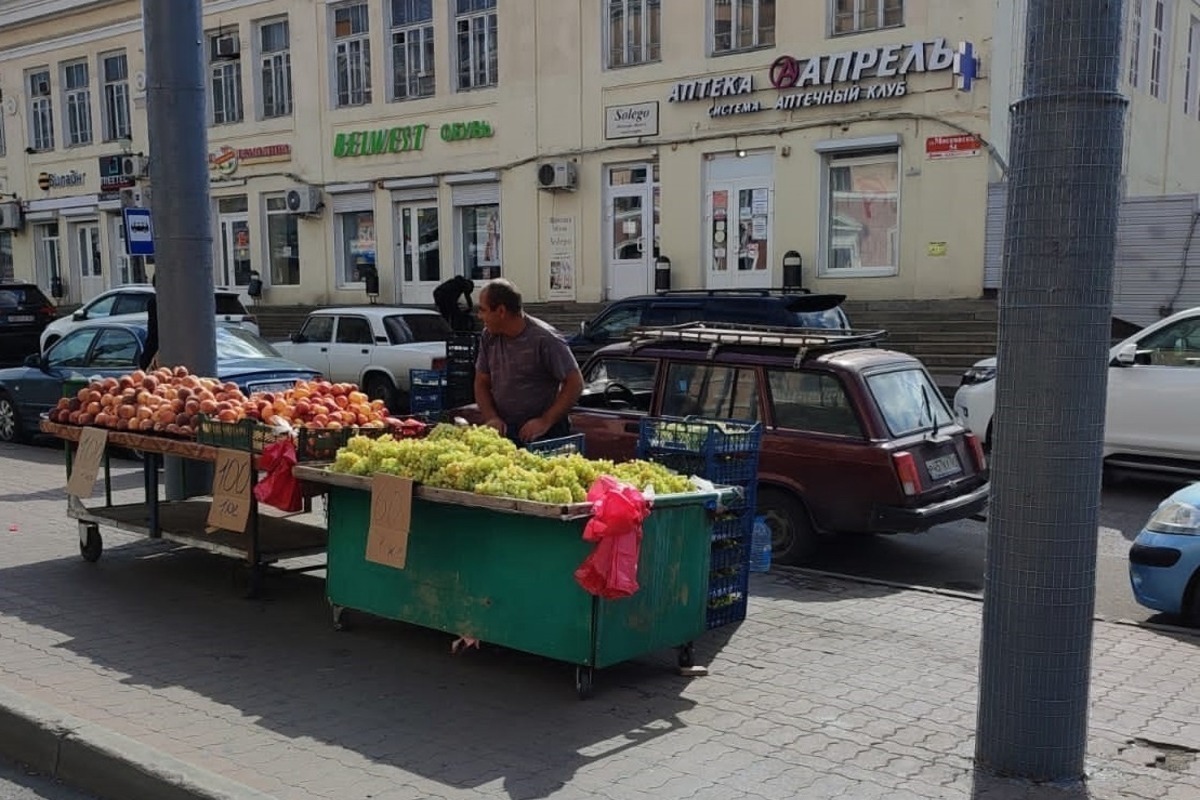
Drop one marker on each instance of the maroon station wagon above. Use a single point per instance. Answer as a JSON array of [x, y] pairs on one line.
[[857, 439]]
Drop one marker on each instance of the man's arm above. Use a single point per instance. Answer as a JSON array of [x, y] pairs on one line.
[[568, 395], [487, 405]]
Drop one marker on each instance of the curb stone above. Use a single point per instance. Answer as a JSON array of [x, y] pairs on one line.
[[92, 759]]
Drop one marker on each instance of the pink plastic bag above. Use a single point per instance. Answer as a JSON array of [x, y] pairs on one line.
[[280, 488], [617, 513]]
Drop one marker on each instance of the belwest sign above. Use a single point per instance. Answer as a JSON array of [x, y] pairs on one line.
[[871, 73]]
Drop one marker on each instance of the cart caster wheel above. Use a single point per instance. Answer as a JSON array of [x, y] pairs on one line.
[[91, 546], [687, 656], [583, 682], [340, 621]]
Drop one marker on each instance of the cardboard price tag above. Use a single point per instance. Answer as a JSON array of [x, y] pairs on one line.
[[391, 518], [86, 464], [231, 491]]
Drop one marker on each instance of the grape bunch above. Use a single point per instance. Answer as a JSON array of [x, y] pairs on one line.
[[477, 459]]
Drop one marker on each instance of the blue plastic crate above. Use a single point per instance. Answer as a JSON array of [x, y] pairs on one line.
[[427, 378], [425, 401], [734, 611], [563, 445], [728, 553]]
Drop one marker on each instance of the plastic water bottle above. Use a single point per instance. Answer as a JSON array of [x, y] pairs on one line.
[[760, 546]]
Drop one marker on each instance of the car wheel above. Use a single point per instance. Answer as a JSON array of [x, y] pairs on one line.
[[10, 421], [1191, 602], [380, 387], [793, 537]]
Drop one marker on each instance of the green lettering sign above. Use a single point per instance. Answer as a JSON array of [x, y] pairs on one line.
[[379, 141], [339, 146], [460, 131]]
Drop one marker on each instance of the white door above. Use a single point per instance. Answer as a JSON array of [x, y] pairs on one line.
[[88, 262], [122, 264], [738, 220], [235, 250], [418, 253], [632, 229], [1151, 405]]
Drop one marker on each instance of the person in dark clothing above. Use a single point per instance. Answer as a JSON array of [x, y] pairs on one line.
[[446, 298], [151, 348]]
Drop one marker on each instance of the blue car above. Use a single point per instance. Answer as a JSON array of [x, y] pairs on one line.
[[112, 349], [1164, 562]]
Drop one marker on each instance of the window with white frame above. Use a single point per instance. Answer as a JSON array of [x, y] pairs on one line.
[[861, 213], [855, 16], [1191, 65], [634, 32], [481, 254], [77, 103], [356, 245], [275, 68], [475, 26], [1135, 42], [283, 242], [742, 25], [352, 54], [225, 77], [41, 111], [412, 49], [114, 77], [1160, 48]]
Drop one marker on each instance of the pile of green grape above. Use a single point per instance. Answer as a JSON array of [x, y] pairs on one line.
[[475, 458]]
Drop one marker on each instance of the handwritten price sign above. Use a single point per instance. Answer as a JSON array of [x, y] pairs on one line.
[[231, 491], [86, 464], [391, 518]]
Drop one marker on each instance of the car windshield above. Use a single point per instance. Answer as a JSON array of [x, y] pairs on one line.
[[240, 343], [228, 303], [428, 327], [909, 401]]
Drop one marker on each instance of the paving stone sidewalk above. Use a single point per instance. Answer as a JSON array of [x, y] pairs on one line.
[[831, 688]]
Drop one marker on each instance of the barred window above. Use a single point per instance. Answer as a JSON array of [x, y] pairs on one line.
[[634, 32], [275, 68], [41, 112], [352, 54], [114, 74], [412, 49], [77, 103], [478, 49]]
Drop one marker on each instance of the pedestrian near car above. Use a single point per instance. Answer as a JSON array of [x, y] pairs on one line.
[[449, 297], [526, 379]]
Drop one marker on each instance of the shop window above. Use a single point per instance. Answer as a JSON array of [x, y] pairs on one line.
[[6, 256], [478, 49], [412, 49], [856, 16], [47, 258], [41, 112], [356, 245], [283, 243], [861, 214], [114, 74], [481, 248], [77, 103], [742, 25], [711, 392], [634, 32], [225, 77], [275, 68], [352, 54], [809, 401], [1160, 48]]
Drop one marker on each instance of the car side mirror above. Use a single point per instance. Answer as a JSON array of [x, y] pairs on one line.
[[1126, 356], [297, 338], [34, 361], [79, 316]]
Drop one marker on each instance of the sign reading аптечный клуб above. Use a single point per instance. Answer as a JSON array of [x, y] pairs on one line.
[[890, 64]]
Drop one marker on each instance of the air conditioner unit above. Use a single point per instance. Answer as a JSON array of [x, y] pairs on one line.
[[134, 166], [304, 200], [227, 46], [10, 216], [557, 175]]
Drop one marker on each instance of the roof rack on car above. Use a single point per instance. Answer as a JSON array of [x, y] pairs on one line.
[[762, 292], [723, 334]]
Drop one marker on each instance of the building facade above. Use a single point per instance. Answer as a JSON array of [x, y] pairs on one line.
[[569, 145]]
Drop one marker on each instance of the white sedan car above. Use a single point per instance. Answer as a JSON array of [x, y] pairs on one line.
[[1153, 392]]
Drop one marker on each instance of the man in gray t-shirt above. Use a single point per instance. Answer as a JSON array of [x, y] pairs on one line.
[[526, 378]]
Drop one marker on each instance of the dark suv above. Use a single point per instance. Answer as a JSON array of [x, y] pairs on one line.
[[857, 439], [744, 306], [24, 313]]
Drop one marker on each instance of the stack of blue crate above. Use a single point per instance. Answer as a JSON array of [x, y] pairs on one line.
[[427, 391], [726, 453]]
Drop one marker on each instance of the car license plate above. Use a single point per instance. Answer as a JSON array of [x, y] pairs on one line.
[[20, 317], [279, 386], [943, 466]]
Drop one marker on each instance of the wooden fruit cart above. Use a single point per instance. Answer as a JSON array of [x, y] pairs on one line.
[[266, 539], [502, 571]]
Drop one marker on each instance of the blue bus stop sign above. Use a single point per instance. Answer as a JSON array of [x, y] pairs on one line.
[[139, 232]]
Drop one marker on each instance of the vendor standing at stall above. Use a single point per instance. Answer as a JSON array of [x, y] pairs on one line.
[[526, 378]]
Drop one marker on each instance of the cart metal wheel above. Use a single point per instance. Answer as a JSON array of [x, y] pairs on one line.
[[340, 623], [91, 545], [687, 656], [583, 681]]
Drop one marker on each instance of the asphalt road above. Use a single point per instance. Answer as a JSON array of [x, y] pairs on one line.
[[952, 556], [18, 784]]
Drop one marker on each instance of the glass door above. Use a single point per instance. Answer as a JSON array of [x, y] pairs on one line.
[[122, 263], [87, 257], [738, 240], [235, 250], [631, 229], [418, 253]]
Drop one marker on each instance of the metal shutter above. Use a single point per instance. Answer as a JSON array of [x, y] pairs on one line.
[[353, 201], [476, 194], [1158, 258], [993, 237], [415, 194]]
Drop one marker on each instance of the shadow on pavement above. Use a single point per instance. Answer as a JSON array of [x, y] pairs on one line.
[[986, 786], [796, 583], [169, 617]]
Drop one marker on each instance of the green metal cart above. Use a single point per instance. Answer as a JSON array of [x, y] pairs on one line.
[[502, 571]]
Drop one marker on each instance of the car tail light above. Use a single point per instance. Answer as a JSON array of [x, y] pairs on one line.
[[977, 452], [906, 470], [48, 311], [438, 364]]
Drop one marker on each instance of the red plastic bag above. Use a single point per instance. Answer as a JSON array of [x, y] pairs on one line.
[[617, 513], [280, 488]]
